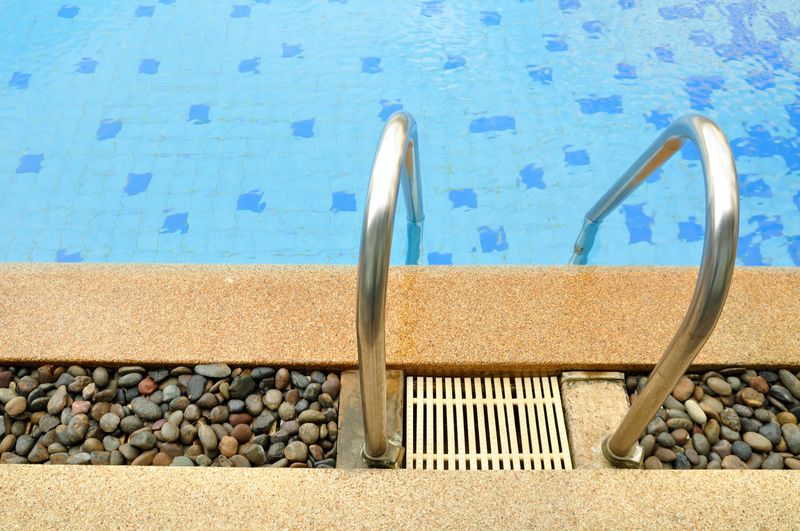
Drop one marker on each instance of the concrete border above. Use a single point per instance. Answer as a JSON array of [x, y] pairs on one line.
[[594, 405], [67, 497], [466, 320]]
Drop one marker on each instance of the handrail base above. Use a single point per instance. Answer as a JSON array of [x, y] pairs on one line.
[[633, 459], [350, 442], [393, 457]]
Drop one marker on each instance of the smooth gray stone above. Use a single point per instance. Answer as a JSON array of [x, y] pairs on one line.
[[213, 370], [741, 450], [772, 462], [195, 387], [242, 386], [182, 461], [130, 380], [772, 431], [790, 382], [144, 440], [146, 409]]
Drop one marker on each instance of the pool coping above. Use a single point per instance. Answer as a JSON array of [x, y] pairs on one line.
[[441, 320], [67, 497]]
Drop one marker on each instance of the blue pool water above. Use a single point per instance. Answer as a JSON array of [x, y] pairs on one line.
[[187, 131]]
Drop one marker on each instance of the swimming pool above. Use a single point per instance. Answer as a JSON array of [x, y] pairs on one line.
[[244, 133]]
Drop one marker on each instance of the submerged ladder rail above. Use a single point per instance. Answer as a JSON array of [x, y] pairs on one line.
[[396, 159], [713, 279]]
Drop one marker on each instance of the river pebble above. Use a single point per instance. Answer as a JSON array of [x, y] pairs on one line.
[[730, 419], [209, 415], [16, 406]]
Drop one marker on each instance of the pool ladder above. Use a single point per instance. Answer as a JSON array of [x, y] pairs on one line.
[[396, 160], [713, 280]]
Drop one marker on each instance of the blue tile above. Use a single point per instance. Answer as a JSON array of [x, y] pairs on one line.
[[492, 240], [794, 249], [62, 255], [568, 5], [490, 18], [690, 230], [625, 71], [303, 128], [492, 123], [19, 80], [700, 89], [251, 201], [371, 65], [751, 187], [240, 12], [681, 11], [149, 66], [655, 176], [543, 75], [67, 11], [532, 177], [760, 143], [689, 151], [638, 223], [431, 8], [701, 38], [388, 108], [577, 157], [144, 11], [108, 129], [767, 226], [31, 163], [440, 258], [749, 250], [87, 65], [454, 61], [343, 202], [137, 183], [593, 27], [250, 65], [198, 113], [176, 223], [292, 50], [463, 198], [556, 43], [609, 104], [658, 119], [761, 80], [665, 55]]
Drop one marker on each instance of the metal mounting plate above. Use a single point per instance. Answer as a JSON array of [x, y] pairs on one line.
[[350, 443]]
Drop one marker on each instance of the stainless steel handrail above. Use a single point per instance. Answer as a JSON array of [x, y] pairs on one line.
[[713, 279], [396, 157]]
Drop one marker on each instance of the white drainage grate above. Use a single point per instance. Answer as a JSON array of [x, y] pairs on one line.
[[485, 424]]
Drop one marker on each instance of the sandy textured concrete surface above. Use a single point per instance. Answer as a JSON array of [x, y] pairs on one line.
[[178, 498], [593, 408], [440, 319]]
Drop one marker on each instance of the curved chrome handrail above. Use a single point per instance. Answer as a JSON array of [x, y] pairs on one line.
[[396, 156], [713, 279]]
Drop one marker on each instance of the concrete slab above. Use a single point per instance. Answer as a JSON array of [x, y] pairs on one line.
[[67, 497], [441, 320], [594, 405]]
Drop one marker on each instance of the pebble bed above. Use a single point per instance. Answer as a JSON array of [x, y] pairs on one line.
[[208, 415], [729, 419]]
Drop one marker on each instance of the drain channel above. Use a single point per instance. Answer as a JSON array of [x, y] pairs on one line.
[[485, 424]]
